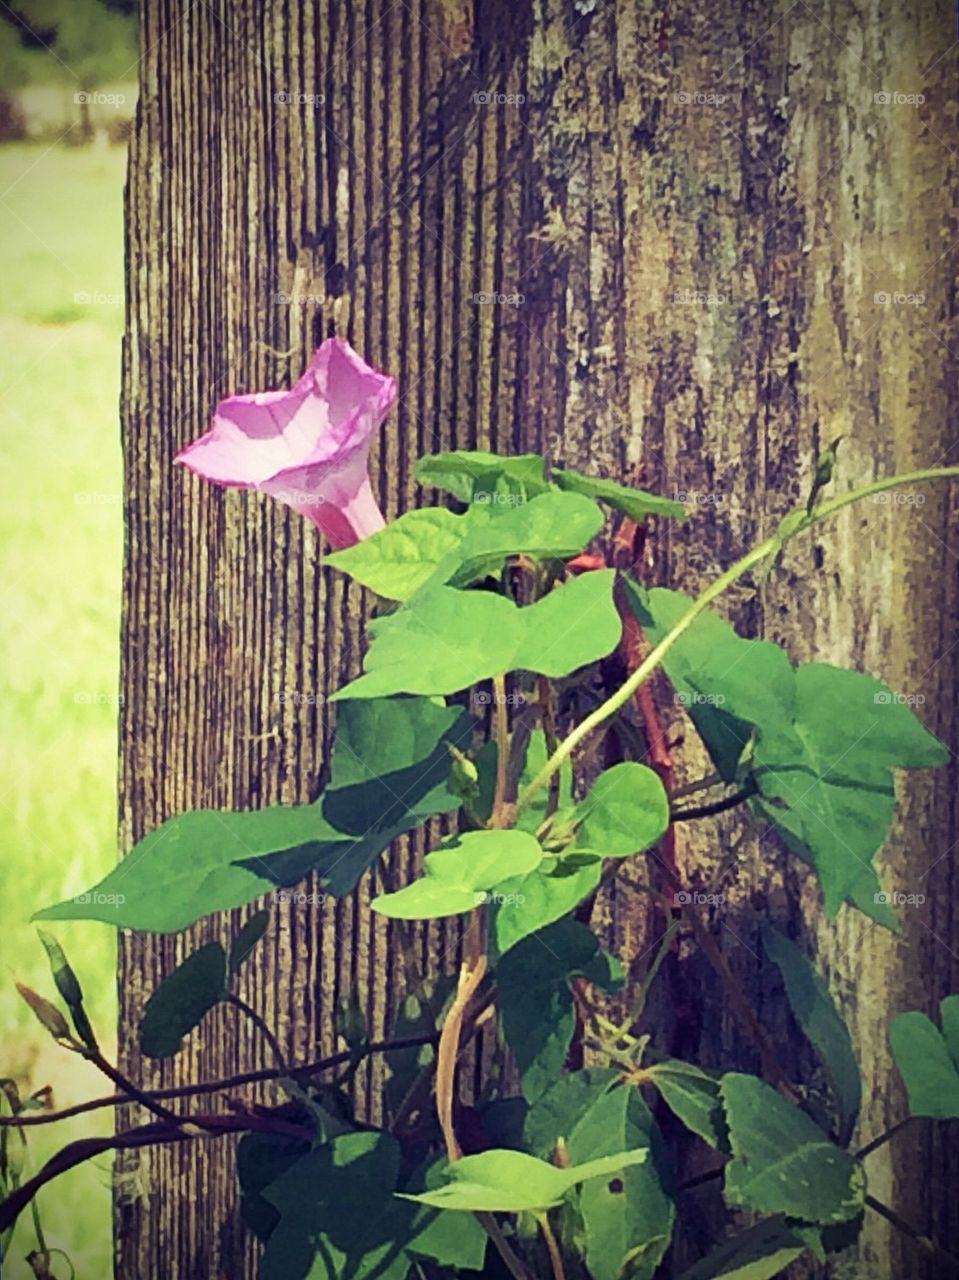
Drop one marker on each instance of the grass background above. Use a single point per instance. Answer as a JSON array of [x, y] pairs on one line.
[[61, 323]]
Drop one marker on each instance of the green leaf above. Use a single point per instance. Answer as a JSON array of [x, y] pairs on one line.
[[726, 683], [182, 1001], [261, 1158], [816, 1013], [693, 1096], [525, 904], [514, 1182], [634, 503], [631, 1219], [949, 1010], [536, 1000], [390, 772], [551, 527], [398, 560], [626, 811], [392, 763], [184, 869], [249, 935], [449, 1239], [444, 640], [433, 545], [929, 1060], [460, 874], [338, 1216], [838, 786], [782, 1161], [760, 1253], [827, 743], [463, 472]]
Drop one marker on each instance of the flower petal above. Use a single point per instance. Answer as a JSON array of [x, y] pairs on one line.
[[308, 446]]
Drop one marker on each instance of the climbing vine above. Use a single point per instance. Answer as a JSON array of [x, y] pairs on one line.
[[480, 691]]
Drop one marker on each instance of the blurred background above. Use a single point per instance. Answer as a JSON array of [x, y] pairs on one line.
[[68, 73]]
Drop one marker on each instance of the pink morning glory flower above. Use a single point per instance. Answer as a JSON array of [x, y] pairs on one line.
[[308, 447]]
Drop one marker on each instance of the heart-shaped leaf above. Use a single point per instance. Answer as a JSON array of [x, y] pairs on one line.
[[525, 904], [626, 811], [338, 1215], [390, 772], [398, 560], [536, 1000], [435, 546], [782, 1161], [821, 742], [596, 1115], [444, 640]]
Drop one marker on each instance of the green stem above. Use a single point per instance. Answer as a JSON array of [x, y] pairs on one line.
[[647, 666], [552, 1247], [829, 508], [38, 1226], [795, 523]]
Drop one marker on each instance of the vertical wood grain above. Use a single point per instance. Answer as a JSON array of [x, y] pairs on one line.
[[699, 207]]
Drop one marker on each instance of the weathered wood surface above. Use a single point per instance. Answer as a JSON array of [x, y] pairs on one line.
[[692, 212]]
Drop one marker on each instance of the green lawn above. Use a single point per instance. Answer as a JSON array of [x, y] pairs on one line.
[[61, 323]]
